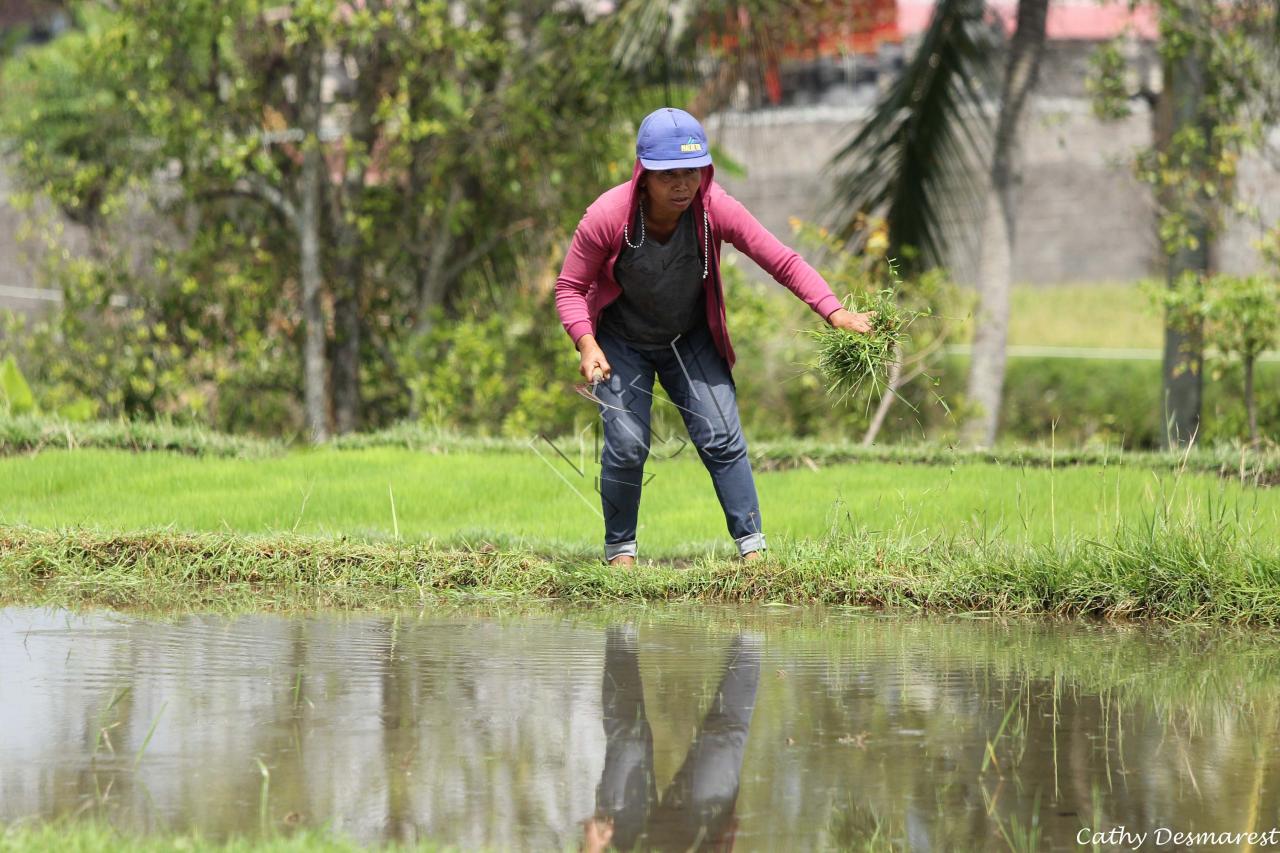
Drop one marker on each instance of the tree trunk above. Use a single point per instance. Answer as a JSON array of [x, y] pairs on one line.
[[346, 356], [346, 199], [1183, 350], [991, 324], [995, 266], [313, 174], [431, 278], [347, 327], [347, 324], [1249, 404]]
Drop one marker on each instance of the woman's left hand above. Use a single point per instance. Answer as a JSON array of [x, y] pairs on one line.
[[842, 318]]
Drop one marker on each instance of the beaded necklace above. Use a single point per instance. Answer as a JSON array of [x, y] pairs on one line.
[[706, 238]]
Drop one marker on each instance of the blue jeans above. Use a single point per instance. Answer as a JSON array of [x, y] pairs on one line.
[[698, 381]]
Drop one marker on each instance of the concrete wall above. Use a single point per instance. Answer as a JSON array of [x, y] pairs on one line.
[[16, 275], [1082, 214]]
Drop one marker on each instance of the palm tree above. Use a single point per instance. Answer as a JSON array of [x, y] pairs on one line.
[[929, 147], [927, 153], [995, 267], [923, 139]]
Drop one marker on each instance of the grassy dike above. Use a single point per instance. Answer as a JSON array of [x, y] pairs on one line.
[[406, 517], [1164, 571]]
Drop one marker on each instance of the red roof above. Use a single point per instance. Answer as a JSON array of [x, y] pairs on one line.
[[1081, 20]]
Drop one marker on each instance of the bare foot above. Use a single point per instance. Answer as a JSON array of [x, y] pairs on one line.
[[623, 560]]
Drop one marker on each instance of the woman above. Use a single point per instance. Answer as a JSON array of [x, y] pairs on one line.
[[640, 295]]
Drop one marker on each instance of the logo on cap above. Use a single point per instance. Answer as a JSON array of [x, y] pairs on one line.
[[691, 145]]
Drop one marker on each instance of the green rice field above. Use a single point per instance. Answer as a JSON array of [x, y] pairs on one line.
[[543, 501]]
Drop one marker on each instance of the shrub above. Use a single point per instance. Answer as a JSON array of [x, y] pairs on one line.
[[497, 370]]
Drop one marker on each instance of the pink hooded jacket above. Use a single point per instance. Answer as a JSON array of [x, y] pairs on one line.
[[586, 283]]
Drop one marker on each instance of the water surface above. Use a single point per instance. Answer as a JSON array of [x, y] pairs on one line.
[[764, 729]]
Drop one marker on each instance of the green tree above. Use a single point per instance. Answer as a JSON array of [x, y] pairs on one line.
[[1218, 89], [1244, 322], [357, 171], [1238, 316]]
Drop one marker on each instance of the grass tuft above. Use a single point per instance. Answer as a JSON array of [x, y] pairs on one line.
[[850, 360]]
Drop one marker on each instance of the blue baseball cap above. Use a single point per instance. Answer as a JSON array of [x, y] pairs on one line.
[[672, 139]]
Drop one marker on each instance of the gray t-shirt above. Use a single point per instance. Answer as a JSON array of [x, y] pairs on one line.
[[662, 293]]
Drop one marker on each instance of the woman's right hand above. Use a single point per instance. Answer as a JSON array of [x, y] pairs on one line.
[[593, 360]]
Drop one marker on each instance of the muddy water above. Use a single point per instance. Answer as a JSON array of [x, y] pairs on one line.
[[763, 729]]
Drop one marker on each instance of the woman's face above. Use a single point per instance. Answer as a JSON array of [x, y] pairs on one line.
[[672, 190]]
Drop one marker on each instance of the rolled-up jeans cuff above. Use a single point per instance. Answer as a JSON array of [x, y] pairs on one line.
[[619, 549], [751, 542]]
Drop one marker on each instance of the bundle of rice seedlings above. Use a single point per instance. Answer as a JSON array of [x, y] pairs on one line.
[[851, 360]]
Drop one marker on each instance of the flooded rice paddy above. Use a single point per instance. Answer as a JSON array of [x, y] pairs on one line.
[[756, 729]]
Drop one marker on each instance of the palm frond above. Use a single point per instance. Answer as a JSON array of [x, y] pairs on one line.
[[920, 154], [645, 33], [710, 45]]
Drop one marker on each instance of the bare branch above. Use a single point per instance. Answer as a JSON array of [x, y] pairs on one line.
[[257, 187], [486, 247]]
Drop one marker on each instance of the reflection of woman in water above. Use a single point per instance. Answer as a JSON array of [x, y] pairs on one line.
[[697, 809]]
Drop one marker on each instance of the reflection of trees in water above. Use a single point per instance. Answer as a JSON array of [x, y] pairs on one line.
[[1154, 735], [484, 731], [467, 738], [440, 730]]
